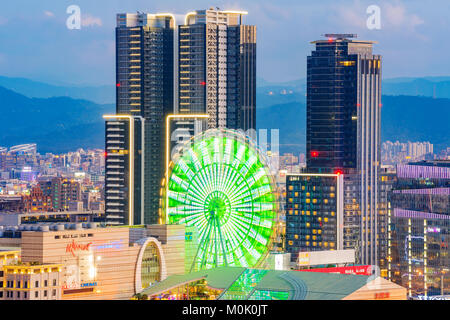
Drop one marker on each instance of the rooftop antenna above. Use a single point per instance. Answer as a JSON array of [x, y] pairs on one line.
[[340, 35]]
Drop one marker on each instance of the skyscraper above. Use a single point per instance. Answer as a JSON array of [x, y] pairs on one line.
[[206, 66], [124, 169], [343, 131], [145, 88], [217, 68]]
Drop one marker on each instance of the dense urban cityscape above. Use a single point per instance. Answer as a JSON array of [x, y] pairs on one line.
[[190, 199]]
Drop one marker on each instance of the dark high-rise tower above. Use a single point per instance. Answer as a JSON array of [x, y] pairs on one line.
[[145, 88], [343, 131], [217, 68]]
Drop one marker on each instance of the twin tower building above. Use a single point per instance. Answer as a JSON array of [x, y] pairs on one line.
[[199, 69], [179, 74]]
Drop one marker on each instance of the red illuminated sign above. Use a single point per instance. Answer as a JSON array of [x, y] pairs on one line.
[[314, 154], [360, 270], [72, 247], [382, 295]]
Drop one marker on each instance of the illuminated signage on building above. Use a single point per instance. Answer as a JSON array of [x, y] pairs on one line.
[[73, 246], [109, 245], [359, 270], [88, 284], [382, 295]]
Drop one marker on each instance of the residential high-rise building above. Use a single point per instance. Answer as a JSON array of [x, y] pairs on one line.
[[205, 67], [343, 131], [145, 88], [125, 163], [217, 68], [62, 191]]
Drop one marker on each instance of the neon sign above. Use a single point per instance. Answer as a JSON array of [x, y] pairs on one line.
[[88, 284], [72, 247]]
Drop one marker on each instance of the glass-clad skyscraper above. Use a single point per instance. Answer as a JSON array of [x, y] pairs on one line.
[[343, 131]]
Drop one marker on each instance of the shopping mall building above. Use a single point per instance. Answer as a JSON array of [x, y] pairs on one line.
[[85, 262]]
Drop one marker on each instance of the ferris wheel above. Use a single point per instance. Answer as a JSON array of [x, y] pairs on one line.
[[220, 186]]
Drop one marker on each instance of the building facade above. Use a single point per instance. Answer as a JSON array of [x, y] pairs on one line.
[[419, 222], [217, 68], [314, 213], [62, 191], [343, 129], [81, 261], [145, 88], [37, 201], [124, 169]]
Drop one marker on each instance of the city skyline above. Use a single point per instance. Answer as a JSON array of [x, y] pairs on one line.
[[87, 55], [190, 197]]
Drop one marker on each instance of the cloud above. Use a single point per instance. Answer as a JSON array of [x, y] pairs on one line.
[[396, 15], [3, 20], [87, 21], [49, 13]]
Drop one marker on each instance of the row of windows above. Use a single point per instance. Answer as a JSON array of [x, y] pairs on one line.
[[10, 284], [19, 294], [313, 244]]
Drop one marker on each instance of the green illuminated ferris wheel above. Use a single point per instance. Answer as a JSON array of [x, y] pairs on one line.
[[220, 186]]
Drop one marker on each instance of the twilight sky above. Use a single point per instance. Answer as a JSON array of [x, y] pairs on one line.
[[35, 42]]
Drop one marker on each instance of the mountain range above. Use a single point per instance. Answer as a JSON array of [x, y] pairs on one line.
[[35, 89], [268, 93], [403, 118], [64, 123], [57, 124]]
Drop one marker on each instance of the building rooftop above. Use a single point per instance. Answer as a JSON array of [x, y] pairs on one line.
[[254, 283]]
